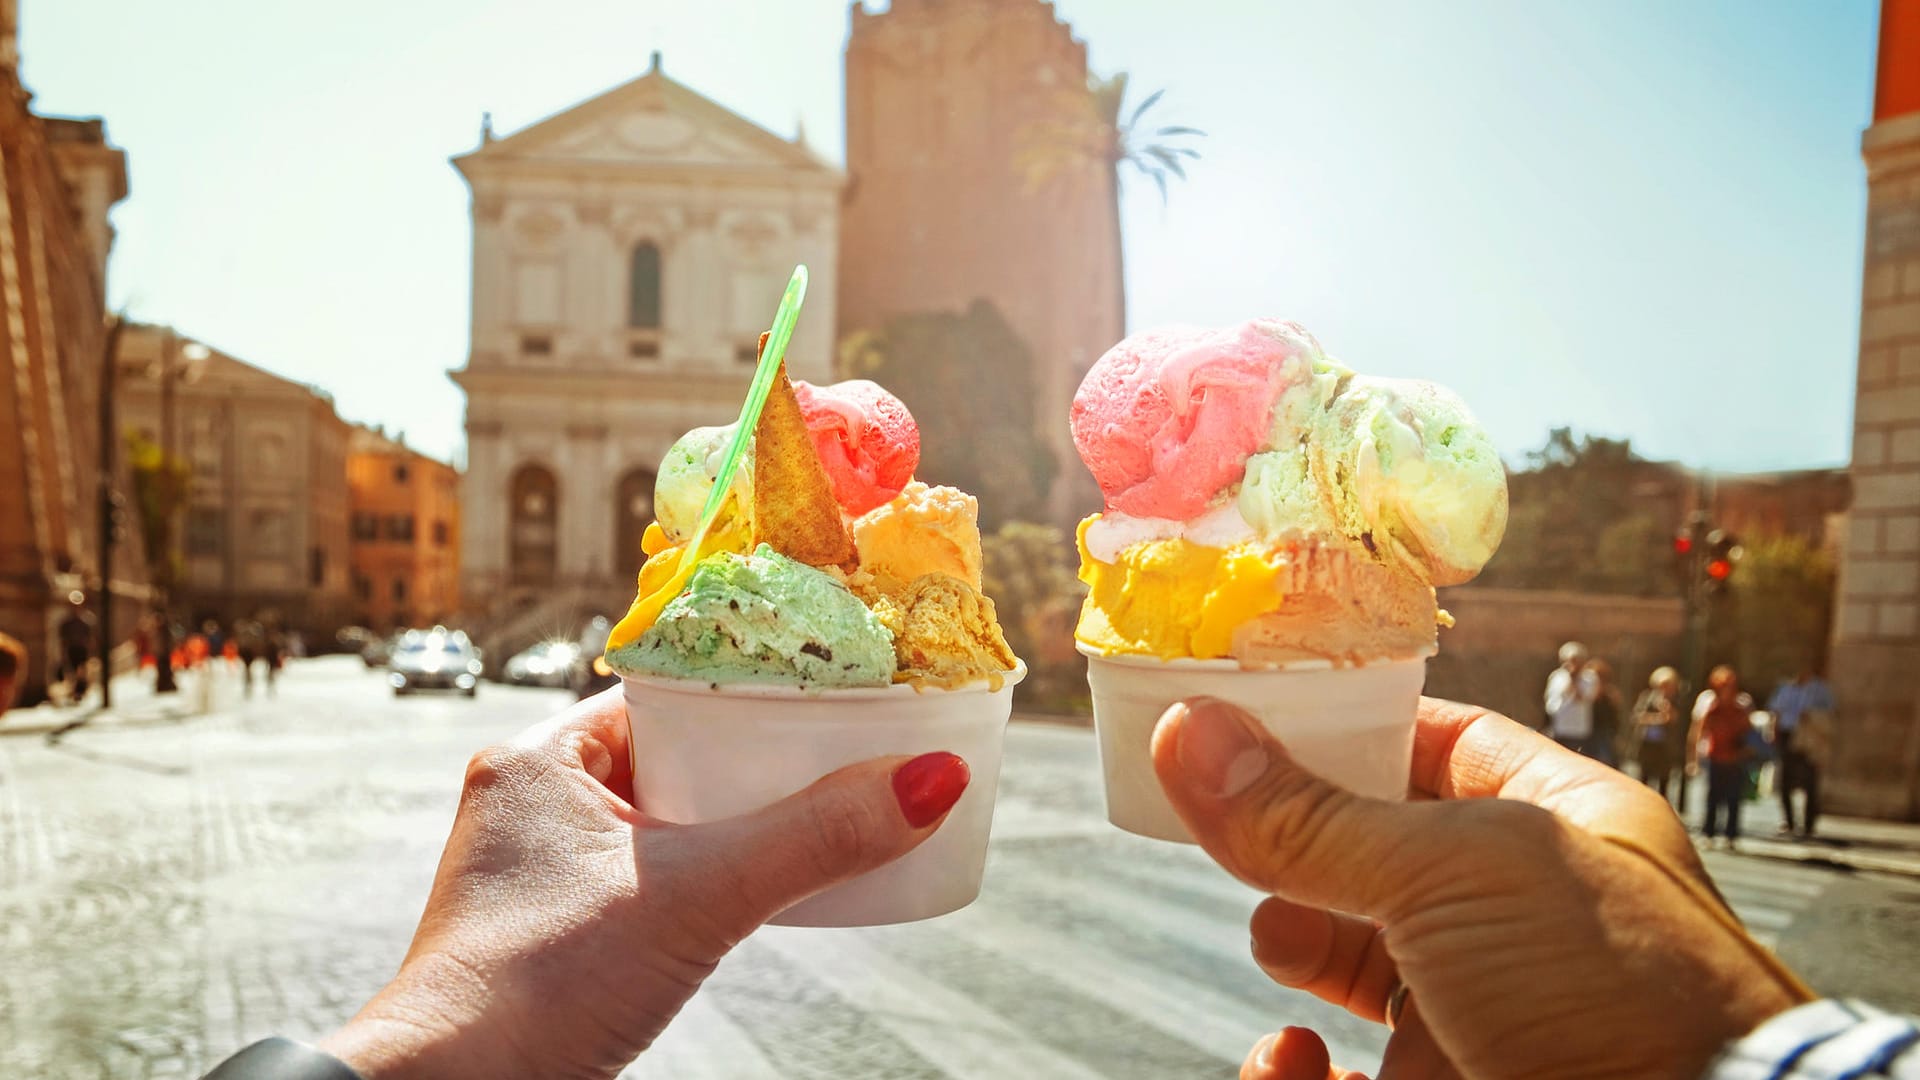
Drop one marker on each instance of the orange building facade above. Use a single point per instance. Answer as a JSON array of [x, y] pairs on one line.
[[58, 180], [405, 547]]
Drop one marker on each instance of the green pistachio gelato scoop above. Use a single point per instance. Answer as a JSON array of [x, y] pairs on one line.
[[763, 618]]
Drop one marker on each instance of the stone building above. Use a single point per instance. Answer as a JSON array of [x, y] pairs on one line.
[[1876, 642], [58, 179], [406, 533], [627, 252], [937, 216], [264, 534]]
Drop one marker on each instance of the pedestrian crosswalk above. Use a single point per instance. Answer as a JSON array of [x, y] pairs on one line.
[[1768, 895], [1091, 953]]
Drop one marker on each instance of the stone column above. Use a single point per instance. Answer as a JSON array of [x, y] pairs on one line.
[[1876, 647], [483, 514]]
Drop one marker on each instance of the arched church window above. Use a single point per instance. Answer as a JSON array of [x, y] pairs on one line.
[[643, 288], [533, 514], [632, 512]]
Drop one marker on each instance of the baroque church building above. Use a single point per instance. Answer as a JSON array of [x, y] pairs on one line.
[[626, 255]]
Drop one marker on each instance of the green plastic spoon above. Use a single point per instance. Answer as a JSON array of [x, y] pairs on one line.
[[647, 608]]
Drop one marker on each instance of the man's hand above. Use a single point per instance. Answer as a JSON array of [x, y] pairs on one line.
[[1547, 914], [565, 929]]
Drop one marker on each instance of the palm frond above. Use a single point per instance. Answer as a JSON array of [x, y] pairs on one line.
[[1179, 130], [1160, 181], [1140, 109], [1166, 158]]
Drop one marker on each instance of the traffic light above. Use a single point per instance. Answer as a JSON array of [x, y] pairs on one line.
[[1723, 552], [1686, 551]]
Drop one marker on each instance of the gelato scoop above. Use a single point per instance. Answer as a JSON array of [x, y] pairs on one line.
[[1266, 504], [923, 530], [686, 479], [944, 632], [866, 439], [767, 598], [763, 618], [1166, 420]]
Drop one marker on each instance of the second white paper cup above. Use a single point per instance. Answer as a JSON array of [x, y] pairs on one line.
[[703, 752], [1351, 725]]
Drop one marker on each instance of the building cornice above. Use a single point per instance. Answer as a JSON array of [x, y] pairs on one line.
[[644, 174], [1892, 146], [604, 383]]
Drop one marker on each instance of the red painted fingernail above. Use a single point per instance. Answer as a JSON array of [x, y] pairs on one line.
[[929, 785]]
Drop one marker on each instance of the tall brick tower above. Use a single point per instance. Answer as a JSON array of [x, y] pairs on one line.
[[1876, 654], [936, 214]]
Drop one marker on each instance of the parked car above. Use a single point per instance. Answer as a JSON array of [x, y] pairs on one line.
[[354, 639], [544, 663], [592, 674], [435, 659], [378, 650]]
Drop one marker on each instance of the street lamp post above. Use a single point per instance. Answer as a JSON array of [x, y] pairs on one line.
[[163, 682], [171, 370], [103, 487]]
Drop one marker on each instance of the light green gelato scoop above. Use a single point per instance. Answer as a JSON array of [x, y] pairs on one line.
[[1397, 464], [763, 618], [686, 478]]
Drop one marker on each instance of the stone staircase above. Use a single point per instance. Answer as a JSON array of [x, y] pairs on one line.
[[528, 616]]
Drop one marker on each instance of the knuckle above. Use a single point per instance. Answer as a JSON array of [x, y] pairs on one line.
[[499, 765], [846, 831], [1294, 813]]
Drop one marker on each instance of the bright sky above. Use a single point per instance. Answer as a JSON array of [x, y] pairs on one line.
[[1641, 218]]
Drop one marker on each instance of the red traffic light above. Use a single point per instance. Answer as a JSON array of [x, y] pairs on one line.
[[1719, 569], [1683, 544]]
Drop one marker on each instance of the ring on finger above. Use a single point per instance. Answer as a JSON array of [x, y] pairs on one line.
[[1396, 1003]]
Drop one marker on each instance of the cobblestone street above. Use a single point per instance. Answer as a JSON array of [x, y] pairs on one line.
[[175, 888]]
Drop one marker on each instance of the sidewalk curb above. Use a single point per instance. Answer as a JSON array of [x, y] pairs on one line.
[[67, 722], [1839, 859]]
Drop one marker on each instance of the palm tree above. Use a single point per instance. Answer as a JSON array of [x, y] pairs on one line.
[[1085, 134]]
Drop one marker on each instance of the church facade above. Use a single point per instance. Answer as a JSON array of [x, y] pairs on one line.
[[627, 252]]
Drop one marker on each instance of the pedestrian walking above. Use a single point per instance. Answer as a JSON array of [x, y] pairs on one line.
[[251, 647], [275, 654], [13, 661], [1802, 719], [1657, 730], [1604, 743], [1571, 690], [76, 651], [1724, 730]]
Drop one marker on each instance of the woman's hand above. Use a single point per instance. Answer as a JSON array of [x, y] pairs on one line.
[[565, 929], [1548, 915]]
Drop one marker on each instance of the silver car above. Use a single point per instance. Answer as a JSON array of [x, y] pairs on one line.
[[435, 659], [544, 663]]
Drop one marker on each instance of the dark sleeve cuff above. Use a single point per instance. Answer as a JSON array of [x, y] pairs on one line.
[[282, 1059]]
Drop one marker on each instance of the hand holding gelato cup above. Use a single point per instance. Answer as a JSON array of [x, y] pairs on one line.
[[834, 615], [1274, 528]]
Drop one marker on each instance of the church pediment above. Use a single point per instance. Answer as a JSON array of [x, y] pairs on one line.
[[659, 139], [651, 121]]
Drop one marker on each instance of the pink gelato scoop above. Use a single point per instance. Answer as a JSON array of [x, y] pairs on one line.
[[866, 439], [1167, 418]]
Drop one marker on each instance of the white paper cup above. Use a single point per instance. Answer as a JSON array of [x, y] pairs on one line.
[[703, 752], [1351, 725]]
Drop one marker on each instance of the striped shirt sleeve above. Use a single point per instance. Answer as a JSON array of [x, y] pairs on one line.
[[1826, 1040]]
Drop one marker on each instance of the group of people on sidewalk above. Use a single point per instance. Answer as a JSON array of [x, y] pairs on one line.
[[74, 669], [1668, 743], [252, 643]]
